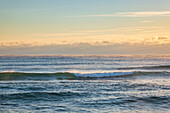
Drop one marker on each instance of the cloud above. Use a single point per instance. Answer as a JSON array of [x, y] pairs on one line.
[[145, 14], [162, 38], [98, 31], [98, 47], [146, 21], [131, 14]]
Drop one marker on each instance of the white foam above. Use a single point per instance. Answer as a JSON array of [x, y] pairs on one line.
[[103, 74], [9, 71]]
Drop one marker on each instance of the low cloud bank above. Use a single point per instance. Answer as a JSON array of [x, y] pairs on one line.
[[85, 48]]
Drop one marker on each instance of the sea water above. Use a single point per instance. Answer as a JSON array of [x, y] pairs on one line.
[[108, 83]]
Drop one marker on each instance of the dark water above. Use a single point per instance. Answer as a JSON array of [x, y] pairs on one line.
[[85, 84]]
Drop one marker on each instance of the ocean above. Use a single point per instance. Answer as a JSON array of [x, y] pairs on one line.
[[85, 83]]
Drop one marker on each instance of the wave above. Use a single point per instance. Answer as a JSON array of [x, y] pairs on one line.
[[110, 74], [35, 76], [7, 76], [161, 67], [40, 95]]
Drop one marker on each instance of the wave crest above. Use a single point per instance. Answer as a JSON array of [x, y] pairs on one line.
[[161, 67], [73, 76]]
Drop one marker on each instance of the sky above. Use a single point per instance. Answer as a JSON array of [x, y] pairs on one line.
[[62, 27]]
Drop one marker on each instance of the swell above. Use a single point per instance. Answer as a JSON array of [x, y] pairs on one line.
[[40, 95], [35, 76], [132, 99], [7, 76], [147, 67], [59, 96]]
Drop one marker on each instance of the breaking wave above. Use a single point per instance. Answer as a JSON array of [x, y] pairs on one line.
[[5, 76]]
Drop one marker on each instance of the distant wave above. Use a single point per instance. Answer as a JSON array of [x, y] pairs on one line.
[[147, 67], [35, 76], [5, 76], [158, 67]]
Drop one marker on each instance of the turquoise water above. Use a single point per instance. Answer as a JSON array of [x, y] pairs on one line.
[[85, 83]]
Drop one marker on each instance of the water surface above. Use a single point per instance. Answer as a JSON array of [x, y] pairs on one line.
[[85, 83]]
